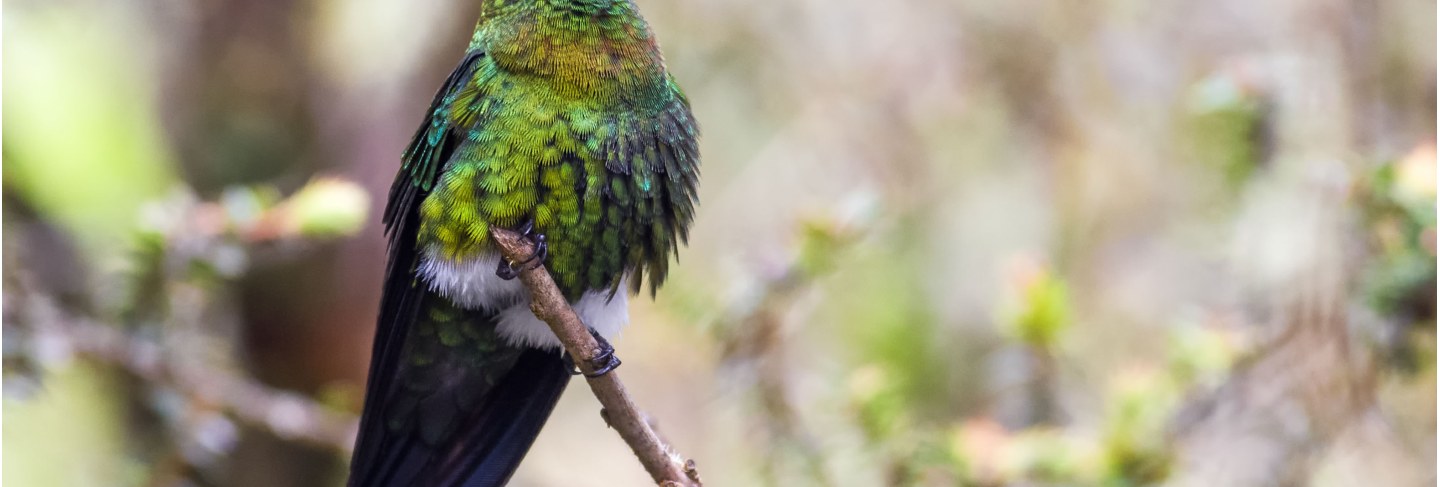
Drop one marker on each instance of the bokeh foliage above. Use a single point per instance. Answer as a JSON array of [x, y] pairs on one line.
[[979, 243]]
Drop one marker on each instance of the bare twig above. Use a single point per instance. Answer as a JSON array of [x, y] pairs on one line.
[[666, 467], [287, 415]]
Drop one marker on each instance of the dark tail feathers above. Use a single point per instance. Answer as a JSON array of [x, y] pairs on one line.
[[488, 445]]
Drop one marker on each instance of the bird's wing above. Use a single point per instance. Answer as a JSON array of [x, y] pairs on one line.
[[652, 166], [402, 295]]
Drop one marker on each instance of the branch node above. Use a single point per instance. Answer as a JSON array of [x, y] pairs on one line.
[[692, 471], [605, 415]]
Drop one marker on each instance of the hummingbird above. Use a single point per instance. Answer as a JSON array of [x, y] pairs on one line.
[[560, 121]]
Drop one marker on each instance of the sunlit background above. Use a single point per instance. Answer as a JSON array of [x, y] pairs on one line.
[[940, 242]]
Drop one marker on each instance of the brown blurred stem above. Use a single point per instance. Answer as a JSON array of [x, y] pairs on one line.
[[549, 304], [758, 338], [284, 414]]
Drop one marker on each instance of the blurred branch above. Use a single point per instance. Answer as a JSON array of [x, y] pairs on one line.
[[1307, 382], [287, 415], [752, 333], [1037, 319], [172, 331], [619, 411]]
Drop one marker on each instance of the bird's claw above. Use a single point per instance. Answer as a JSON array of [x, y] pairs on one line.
[[602, 364], [510, 270], [605, 361]]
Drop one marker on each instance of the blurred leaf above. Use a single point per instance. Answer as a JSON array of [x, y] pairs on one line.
[[327, 208], [1201, 354], [881, 406], [1226, 126], [1042, 313], [977, 445], [1415, 180], [1399, 203], [71, 434], [1050, 456], [882, 308], [83, 139], [1135, 447]]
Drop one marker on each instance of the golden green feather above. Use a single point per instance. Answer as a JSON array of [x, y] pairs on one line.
[[562, 115]]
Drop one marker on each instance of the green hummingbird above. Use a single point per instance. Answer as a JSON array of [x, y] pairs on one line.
[[562, 121]]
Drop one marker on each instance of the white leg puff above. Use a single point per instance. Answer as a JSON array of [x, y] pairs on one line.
[[472, 284], [597, 309]]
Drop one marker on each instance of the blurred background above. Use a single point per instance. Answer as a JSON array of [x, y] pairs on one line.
[[940, 242]]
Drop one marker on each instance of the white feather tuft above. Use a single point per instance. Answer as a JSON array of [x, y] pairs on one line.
[[607, 316], [472, 283]]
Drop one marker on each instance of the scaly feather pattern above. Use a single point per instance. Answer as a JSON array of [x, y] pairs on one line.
[[568, 119], [561, 113]]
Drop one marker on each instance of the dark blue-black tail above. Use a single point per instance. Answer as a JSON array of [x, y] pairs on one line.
[[508, 423], [449, 424]]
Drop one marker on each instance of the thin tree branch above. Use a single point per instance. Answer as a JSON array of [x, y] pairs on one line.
[[665, 466], [287, 415]]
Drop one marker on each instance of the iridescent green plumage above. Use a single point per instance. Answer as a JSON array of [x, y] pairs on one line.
[[562, 115], [574, 124]]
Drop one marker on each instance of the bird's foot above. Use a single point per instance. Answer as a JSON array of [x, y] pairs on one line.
[[510, 270], [605, 361], [602, 364]]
